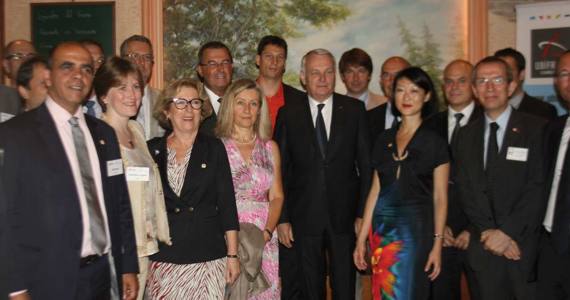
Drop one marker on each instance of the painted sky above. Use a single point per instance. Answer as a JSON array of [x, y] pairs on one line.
[[372, 26]]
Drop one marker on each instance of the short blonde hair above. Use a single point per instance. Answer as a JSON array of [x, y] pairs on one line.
[[225, 125], [165, 99]]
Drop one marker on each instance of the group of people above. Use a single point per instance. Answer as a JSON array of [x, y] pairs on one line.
[[217, 188]]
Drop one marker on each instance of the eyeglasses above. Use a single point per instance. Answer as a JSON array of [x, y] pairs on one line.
[[19, 56], [181, 103], [137, 57], [495, 80], [215, 65], [564, 75]]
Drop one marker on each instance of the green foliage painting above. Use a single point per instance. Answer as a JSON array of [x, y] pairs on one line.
[[240, 24]]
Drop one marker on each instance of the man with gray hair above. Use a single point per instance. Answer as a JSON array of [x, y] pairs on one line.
[[325, 149]]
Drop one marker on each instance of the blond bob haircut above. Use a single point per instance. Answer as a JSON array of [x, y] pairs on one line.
[[225, 125], [165, 100]]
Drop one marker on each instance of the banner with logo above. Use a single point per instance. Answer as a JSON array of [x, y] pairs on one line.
[[543, 34]]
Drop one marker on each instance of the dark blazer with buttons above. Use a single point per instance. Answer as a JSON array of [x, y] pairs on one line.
[[206, 208], [4, 239], [377, 120], [44, 213], [438, 122], [517, 187], [320, 190], [537, 107]]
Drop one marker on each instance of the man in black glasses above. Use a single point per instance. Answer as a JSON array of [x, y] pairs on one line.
[[215, 69], [499, 175], [138, 49], [15, 53]]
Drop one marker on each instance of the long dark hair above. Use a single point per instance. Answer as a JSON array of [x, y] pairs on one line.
[[420, 78]]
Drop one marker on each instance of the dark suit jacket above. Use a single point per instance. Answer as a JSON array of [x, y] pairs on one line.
[[4, 239], [517, 187], [537, 107], [43, 206], [456, 219], [206, 208], [208, 124], [561, 221], [10, 102], [377, 120], [321, 190]]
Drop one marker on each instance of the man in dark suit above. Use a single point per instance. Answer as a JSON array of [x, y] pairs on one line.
[[270, 60], [554, 255], [4, 240], [215, 70], [69, 212], [15, 54], [325, 149], [520, 100], [462, 109], [381, 117], [498, 159]]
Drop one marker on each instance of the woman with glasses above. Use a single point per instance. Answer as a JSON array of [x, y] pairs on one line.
[[245, 128], [118, 86], [406, 207], [200, 202]]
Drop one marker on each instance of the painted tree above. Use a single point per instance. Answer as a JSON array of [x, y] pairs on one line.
[[240, 24]]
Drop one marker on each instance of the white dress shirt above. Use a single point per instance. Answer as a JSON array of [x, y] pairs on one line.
[[389, 116], [326, 112], [502, 121], [145, 111], [362, 97], [213, 99], [61, 119], [516, 100], [96, 107], [549, 218], [467, 111]]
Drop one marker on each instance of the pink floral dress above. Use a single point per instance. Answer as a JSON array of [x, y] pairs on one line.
[[252, 181]]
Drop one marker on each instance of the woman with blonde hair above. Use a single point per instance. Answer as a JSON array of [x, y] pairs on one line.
[[245, 129], [119, 86], [200, 202]]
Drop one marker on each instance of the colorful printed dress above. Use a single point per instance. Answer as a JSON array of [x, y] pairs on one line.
[[252, 181], [401, 236]]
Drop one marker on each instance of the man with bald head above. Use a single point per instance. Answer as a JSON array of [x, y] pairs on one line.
[[554, 256], [461, 110], [70, 220], [324, 143], [381, 117], [15, 53]]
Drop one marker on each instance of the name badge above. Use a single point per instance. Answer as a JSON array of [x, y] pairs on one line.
[[114, 167], [138, 174], [5, 117], [516, 153]]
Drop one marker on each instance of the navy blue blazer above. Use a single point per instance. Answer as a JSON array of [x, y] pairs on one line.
[[44, 215]]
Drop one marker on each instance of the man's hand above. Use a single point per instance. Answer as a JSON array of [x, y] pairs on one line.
[[448, 240], [21, 296], [130, 286], [462, 240], [495, 241], [513, 251], [357, 225], [285, 234]]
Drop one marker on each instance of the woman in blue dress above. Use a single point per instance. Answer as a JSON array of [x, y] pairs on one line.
[[406, 208]]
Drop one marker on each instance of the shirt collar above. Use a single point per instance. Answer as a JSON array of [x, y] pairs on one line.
[[60, 115], [516, 100], [313, 103], [467, 111], [362, 97], [502, 120], [213, 96]]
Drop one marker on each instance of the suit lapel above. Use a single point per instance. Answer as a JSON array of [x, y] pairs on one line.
[[50, 137], [478, 149], [307, 119], [512, 135], [338, 119], [161, 158], [196, 167], [100, 145]]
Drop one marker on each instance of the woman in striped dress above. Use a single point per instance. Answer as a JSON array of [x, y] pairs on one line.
[[200, 202]]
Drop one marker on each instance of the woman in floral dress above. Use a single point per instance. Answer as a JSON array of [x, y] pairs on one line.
[[245, 129]]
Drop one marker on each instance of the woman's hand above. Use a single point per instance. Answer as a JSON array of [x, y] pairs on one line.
[[359, 256], [232, 269], [266, 236], [434, 262]]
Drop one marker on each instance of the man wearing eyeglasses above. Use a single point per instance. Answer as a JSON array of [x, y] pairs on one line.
[[554, 256], [215, 69], [499, 175], [381, 117], [15, 53], [138, 49], [520, 100]]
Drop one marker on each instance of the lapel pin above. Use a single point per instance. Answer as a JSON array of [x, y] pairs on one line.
[[102, 142], [390, 145], [515, 129], [156, 151], [203, 166]]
